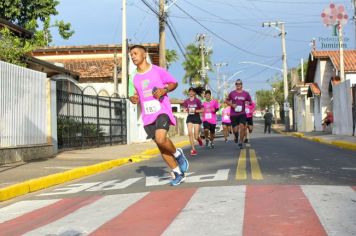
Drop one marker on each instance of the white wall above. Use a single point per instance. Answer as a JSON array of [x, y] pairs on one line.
[[342, 109], [23, 106], [352, 78], [323, 74]]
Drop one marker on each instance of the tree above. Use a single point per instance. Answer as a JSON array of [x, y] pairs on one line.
[[13, 48], [192, 65], [34, 16], [30, 14], [171, 56], [264, 99]]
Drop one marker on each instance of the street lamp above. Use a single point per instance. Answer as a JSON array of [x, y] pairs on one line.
[[230, 78]]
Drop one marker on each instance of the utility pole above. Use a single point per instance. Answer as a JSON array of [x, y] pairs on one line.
[[201, 39], [218, 66], [115, 73], [341, 49], [280, 27], [162, 34], [124, 77]]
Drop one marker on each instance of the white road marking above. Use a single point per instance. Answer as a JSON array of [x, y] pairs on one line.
[[211, 211], [80, 221], [20, 208], [335, 207]]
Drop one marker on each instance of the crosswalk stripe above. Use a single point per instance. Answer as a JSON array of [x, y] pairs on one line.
[[279, 210], [224, 210], [19, 208], [103, 209], [149, 216], [43, 216], [335, 206], [255, 167], [241, 166], [211, 211]]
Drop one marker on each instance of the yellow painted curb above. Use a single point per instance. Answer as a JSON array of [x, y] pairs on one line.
[[14, 191], [344, 144], [296, 134], [76, 173]]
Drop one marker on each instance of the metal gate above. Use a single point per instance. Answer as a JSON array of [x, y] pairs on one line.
[[88, 119]]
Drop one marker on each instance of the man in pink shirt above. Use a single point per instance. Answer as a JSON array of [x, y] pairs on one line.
[[210, 107], [152, 84], [237, 99]]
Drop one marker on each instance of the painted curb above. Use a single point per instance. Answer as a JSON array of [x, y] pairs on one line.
[[33, 185], [337, 143], [344, 144]]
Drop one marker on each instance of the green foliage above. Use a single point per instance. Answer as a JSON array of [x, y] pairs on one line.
[[192, 65], [264, 99], [34, 16], [171, 57], [13, 48], [71, 128]]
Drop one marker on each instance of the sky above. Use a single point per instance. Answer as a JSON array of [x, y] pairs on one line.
[[233, 30]]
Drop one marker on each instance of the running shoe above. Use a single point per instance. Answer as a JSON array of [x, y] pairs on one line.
[[200, 142], [240, 145], [182, 161], [246, 140], [207, 143], [178, 179], [193, 152], [212, 145]]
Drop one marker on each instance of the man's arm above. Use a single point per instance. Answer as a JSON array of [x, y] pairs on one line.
[[163, 91]]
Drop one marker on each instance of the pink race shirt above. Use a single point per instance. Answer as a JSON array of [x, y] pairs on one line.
[[150, 106], [192, 105], [209, 114], [226, 115], [249, 109], [239, 99]]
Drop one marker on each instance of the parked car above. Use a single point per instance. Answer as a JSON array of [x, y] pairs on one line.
[[258, 114]]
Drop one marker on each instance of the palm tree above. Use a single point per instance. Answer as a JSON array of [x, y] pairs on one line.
[[192, 65], [171, 56]]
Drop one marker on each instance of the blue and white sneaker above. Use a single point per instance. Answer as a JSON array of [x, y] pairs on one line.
[[178, 179], [182, 161]]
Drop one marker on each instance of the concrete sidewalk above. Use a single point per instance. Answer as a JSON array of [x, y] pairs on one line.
[[341, 141], [20, 178]]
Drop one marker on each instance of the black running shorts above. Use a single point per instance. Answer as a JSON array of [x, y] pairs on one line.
[[162, 122]]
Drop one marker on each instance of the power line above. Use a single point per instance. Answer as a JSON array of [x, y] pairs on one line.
[[226, 20], [218, 36], [175, 39]]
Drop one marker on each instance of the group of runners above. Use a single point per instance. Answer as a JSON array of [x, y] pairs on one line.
[[152, 84], [236, 116]]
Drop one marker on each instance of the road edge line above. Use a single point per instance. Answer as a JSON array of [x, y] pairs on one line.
[[40, 183]]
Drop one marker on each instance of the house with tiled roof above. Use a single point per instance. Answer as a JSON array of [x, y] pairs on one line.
[[94, 63], [328, 93]]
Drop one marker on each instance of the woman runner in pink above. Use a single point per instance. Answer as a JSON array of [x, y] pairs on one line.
[[194, 107], [226, 121]]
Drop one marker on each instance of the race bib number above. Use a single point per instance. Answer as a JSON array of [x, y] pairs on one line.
[[226, 117], [247, 110], [151, 107], [238, 108], [208, 116], [191, 111]]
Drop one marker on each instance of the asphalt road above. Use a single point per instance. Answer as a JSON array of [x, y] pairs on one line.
[[272, 169]]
